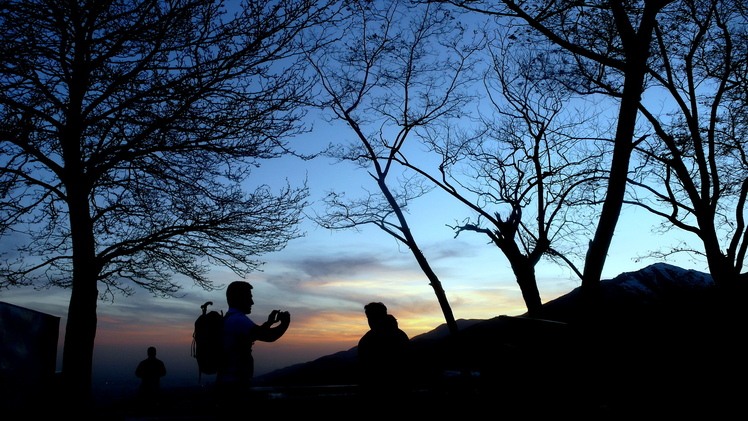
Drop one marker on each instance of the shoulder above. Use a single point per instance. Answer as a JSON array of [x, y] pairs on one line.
[[368, 337], [236, 320]]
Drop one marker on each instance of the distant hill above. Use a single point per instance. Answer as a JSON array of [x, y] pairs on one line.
[[340, 368], [661, 334]]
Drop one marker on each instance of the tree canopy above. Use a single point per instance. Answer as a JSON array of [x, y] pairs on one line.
[[129, 131]]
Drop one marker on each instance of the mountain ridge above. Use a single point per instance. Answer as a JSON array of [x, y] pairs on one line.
[[629, 296], [661, 341]]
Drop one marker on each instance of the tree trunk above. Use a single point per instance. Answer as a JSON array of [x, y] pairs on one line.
[[721, 267], [441, 296], [637, 46], [600, 244], [529, 287], [410, 241], [77, 358], [523, 266]]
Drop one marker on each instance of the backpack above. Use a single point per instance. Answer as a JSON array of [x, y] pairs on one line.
[[207, 340]]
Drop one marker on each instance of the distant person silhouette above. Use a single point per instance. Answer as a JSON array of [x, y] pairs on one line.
[[383, 352], [239, 334], [149, 372]]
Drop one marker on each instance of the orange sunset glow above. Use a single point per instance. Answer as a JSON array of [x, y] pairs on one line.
[[323, 280]]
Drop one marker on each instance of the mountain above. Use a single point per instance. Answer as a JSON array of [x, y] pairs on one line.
[[340, 368], [653, 288], [661, 335]]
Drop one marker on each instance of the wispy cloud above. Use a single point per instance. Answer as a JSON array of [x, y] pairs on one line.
[[323, 284]]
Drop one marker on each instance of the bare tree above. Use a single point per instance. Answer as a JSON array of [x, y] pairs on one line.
[[610, 43], [528, 172], [128, 131], [694, 171], [398, 68]]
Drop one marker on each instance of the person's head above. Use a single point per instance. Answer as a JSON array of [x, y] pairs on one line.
[[151, 351], [239, 296], [389, 321], [375, 313], [374, 310]]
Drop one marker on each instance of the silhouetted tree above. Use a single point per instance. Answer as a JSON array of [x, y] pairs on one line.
[[127, 132], [610, 43], [694, 170], [398, 68], [528, 173]]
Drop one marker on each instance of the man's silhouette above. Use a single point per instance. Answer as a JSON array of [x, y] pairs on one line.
[[149, 372], [239, 334], [383, 352]]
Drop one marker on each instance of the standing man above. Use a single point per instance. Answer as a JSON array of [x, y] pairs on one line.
[[384, 352], [149, 372], [239, 334]]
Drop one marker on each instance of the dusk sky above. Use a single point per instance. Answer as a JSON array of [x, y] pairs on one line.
[[324, 280]]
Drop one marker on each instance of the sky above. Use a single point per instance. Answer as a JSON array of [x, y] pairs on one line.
[[325, 278]]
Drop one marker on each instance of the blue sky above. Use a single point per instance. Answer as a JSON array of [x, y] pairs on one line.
[[325, 278]]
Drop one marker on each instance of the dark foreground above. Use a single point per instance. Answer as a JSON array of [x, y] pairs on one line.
[[345, 403], [459, 400]]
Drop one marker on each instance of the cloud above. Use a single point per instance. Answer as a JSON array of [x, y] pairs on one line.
[[324, 284], [340, 265]]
